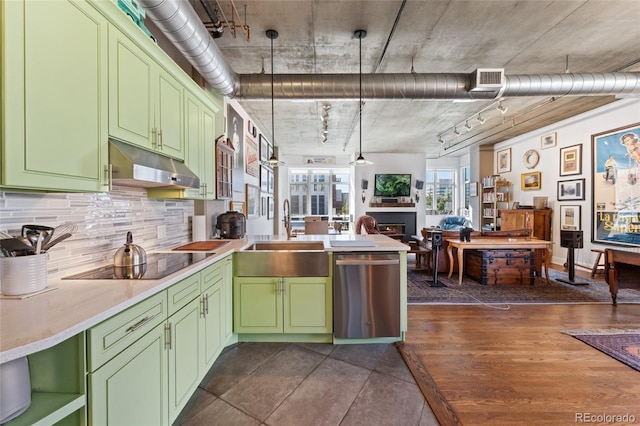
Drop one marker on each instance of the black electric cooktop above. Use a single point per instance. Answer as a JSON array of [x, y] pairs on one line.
[[158, 265]]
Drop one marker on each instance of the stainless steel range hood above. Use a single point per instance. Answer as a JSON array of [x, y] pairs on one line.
[[133, 166]]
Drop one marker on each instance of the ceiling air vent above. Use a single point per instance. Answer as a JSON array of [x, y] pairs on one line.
[[487, 79]]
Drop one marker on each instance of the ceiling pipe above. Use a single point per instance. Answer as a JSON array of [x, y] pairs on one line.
[[182, 26]]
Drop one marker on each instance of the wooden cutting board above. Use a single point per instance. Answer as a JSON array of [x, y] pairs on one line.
[[202, 246]]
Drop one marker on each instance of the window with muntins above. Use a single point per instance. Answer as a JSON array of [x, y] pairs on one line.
[[440, 191], [319, 192]]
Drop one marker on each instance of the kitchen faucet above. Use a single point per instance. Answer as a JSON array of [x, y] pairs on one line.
[[286, 210]]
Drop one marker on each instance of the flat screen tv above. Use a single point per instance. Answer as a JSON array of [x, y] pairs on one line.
[[392, 185]]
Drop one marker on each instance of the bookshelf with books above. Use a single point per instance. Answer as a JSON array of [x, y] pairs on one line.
[[495, 197]]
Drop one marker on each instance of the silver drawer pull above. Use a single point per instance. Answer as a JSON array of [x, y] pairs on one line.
[[140, 323], [359, 262]]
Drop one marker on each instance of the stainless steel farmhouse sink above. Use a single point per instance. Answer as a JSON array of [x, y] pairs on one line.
[[282, 259], [286, 246]]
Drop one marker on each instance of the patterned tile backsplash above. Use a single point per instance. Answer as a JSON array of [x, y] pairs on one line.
[[102, 221]]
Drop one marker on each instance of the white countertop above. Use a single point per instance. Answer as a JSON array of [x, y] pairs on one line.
[[41, 321]]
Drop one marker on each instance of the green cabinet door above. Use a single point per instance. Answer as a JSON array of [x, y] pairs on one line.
[[308, 305], [257, 305], [54, 135], [168, 115], [132, 388], [183, 342], [209, 152], [194, 157], [211, 326], [131, 90]]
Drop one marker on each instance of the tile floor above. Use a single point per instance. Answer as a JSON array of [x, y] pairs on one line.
[[308, 384]]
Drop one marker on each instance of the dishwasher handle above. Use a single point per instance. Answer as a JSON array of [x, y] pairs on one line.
[[367, 262]]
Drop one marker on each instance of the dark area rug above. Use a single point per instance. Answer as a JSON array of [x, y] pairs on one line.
[[472, 292], [623, 345]]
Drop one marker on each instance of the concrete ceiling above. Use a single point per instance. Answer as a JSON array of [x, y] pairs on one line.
[[428, 36]]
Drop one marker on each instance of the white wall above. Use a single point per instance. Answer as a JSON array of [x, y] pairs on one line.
[[390, 163], [573, 131]]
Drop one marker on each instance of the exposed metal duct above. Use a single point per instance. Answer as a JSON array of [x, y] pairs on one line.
[[572, 84], [432, 86], [183, 27], [181, 24], [374, 86]]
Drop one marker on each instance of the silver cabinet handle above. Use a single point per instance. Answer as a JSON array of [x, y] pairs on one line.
[[206, 304], [108, 171], [160, 138], [167, 329], [358, 262], [154, 138], [202, 309], [140, 323]]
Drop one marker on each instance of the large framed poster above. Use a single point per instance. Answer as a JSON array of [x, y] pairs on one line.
[[616, 189]]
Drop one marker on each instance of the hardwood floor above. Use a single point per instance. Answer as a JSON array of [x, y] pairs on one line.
[[516, 367]]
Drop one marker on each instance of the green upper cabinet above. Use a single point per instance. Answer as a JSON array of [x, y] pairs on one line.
[[201, 127], [145, 101], [54, 102]]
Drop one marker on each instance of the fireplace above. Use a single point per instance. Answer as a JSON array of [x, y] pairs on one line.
[[396, 223]]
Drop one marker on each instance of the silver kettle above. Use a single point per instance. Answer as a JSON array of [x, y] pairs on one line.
[[129, 254]]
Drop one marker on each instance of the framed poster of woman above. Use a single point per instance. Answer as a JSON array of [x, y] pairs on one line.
[[615, 172]]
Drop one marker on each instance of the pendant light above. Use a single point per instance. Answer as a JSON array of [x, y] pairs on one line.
[[360, 161], [273, 160]]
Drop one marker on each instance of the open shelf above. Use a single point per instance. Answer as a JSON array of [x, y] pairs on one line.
[[48, 408]]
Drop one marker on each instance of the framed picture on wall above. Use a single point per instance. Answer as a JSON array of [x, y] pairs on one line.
[[530, 181], [269, 207], [252, 201], [252, 164], [503, 160], [571, 190], [571, 160], [548, 141], [264, 148], [614, 180], [570, 218], [264, 179]]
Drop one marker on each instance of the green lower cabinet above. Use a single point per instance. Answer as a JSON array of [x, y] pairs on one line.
[[132, 388], [267, 305], [228, 299], [183, 341], [211, 326]]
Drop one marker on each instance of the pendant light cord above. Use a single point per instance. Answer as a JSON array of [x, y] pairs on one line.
[[360, 38], [273, 136]]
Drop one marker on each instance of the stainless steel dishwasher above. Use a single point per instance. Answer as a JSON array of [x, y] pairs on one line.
[[366, 295]]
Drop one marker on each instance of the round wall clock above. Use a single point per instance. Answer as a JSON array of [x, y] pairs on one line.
[[531, 158]]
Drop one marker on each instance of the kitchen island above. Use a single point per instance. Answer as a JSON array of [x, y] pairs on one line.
[[74, 325]]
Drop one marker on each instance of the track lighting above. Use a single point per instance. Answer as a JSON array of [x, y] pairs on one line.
[[501, 108], [456, 132], [325, 122], [440, 140], [480, 120], [467, 126]]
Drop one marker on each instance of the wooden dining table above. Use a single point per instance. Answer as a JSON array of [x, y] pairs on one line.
[[496, 244]]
